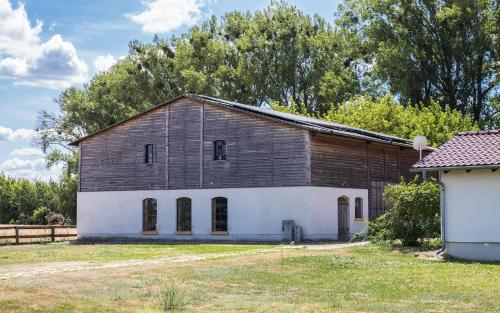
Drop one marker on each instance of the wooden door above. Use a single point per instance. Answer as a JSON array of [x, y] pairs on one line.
[[376, 199], [343, 217]]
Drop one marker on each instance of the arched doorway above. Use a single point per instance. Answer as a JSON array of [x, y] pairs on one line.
[[343, 217]]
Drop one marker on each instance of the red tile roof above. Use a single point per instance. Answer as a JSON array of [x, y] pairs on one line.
[[468, 149]]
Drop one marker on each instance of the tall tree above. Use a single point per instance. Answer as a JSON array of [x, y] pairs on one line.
[[276, 54], [444, 49]]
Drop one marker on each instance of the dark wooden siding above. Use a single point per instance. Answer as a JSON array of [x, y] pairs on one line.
[[376, 162], [260, 152], [338, 162], [184, 144], [408, 157], [353, 163], [391, 156], [114, 159]]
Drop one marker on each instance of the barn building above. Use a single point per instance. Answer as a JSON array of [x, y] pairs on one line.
[[207, 169]]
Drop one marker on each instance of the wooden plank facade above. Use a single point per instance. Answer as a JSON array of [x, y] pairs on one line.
[[261, 152], [114, 159]]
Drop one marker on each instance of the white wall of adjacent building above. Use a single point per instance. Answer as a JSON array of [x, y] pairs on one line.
[[472, 213], [253, 213]]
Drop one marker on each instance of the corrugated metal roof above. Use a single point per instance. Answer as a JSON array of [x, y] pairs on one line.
[[316, 125]]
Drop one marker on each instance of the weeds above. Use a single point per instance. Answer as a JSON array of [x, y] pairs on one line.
[[172, 297]]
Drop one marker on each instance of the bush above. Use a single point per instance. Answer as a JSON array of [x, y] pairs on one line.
[[54, 218], [413, 215], [40, 215]]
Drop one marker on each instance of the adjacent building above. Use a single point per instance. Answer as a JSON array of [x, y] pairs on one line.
[[204, 168], [468, 170]]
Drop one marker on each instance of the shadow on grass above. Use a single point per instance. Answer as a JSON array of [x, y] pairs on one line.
[[451, 259], [418, 251]]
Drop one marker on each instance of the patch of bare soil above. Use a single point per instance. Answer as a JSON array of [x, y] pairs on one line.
[[429, 255], [327, 246]]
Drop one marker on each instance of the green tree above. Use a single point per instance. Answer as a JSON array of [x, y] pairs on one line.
[[25, 201], [446, 50], [386, 115], [66, 197], [7, 211]]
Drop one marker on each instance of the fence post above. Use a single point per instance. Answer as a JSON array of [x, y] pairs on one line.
[[17, 234], [52, 233]]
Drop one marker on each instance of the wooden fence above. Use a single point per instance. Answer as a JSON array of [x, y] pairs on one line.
[[22, 234]]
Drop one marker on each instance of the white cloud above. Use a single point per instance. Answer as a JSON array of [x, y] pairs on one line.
[[26, 152], [31, 169], [103, 63], [17, 164], [162, 16], [25, 59], [17, 37], [18, 134]]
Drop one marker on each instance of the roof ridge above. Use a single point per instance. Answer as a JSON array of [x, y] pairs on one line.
[[469, 150], [479, 132], [305, 119]]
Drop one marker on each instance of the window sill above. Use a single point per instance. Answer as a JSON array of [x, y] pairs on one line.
[[219, 233], [183, 233], [360, 219], [150, 232]]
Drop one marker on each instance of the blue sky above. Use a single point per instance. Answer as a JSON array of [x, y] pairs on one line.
[[47, 46]]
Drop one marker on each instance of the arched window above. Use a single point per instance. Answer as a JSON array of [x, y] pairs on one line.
[[358, 208], [149, 214], [183, 214], [219, 214]]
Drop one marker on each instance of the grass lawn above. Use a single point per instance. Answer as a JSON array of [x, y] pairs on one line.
[[260, 279], [63, 251]]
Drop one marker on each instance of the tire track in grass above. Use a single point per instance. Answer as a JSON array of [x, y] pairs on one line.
[[23, 271], [61, 267]]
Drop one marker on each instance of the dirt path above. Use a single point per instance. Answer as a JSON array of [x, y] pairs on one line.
[[327, 246], [31, 270]]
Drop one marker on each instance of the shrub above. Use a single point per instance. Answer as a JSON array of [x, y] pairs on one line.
[[413, 215], [40, 215], [54, 218], [172, 297]]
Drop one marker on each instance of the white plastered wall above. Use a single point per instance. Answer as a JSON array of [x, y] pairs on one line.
[[253, 213], [472, 205]]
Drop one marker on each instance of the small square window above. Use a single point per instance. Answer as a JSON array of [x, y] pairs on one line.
[[220, 150], [149, 154]]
